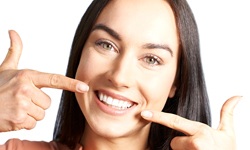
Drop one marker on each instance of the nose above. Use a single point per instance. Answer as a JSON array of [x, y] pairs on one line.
[[122, 74]]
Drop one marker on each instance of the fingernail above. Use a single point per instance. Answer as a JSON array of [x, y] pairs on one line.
[[146, 114], [80, 87]]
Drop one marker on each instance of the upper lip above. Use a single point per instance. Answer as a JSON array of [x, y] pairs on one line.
[[116, 96]]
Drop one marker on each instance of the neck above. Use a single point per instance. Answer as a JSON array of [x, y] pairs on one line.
[[135, 141]]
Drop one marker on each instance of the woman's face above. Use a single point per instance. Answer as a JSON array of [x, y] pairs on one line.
[[129, 62]]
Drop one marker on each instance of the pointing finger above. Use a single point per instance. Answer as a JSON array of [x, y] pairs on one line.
[[12, 58], [59, 82], [227, 109], [173, 121]]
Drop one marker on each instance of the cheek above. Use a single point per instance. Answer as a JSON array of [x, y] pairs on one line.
[[157, 91], [86, 72], [85, 69]]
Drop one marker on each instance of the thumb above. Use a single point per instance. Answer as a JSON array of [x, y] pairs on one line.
[[226, 116], [12, 58]]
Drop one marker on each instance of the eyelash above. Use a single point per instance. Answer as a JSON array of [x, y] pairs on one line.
[[102, 43]]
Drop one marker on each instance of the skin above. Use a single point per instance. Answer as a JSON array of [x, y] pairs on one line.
[[200, 136], [130, 53], [22, 103], [127, 78]]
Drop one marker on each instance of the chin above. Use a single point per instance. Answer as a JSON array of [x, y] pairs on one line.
[[113, 129]]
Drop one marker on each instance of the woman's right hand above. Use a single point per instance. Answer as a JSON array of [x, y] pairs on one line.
[[22, 102]]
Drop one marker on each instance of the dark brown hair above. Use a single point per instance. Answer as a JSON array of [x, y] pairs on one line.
[[190, 101]]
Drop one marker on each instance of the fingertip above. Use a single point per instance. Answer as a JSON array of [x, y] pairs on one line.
[[227, 112], [12, 58], [82, 87], [12, 32], [147, 114], [233, 101], [15, 40]]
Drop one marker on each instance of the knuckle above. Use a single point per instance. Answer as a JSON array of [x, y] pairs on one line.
[[19, 106], [22, 89], [54, 80], [22, 74], [11, 50], [18, 118], [175, 121], [204, 129], [23, 105], [195, 143], [22, 84], [19, 112]]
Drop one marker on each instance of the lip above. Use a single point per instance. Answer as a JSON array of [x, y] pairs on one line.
[[111, 110]]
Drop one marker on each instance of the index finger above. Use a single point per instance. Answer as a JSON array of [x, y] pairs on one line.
[[57, 81], [188, 127]]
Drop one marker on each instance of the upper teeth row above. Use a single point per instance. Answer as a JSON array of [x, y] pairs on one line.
[[114, 102]]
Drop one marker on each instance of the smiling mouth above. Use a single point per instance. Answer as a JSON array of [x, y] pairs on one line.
[[113, 102]]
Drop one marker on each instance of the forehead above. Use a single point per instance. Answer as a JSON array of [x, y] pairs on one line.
[[141, 19]]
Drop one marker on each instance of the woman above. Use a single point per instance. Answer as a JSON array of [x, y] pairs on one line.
[[137, 62], [188, 75]]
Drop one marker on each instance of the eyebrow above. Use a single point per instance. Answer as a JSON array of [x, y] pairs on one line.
[[114, 34], [158, 46], [110, 31]]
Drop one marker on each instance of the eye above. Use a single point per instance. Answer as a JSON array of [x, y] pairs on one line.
[[106, 45], [152, 60]]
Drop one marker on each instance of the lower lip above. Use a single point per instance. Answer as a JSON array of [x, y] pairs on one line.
[[110, 110]]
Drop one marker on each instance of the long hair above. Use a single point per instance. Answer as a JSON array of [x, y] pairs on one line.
[[191, 98], [190, 101], [70, 121]]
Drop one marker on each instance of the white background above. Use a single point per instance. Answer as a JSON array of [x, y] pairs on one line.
[[47, 28]]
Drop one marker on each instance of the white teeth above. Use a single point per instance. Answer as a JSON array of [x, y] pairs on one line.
[[116, 103], [108, 100]]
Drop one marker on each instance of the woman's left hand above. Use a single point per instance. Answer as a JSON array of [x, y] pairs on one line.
[[199, 136]]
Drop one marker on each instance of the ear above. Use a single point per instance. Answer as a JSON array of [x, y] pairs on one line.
[[172, 92]]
